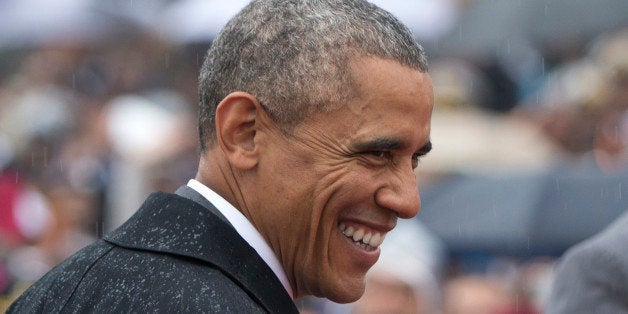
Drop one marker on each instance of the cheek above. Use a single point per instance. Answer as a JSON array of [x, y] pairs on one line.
[[340, 189], [325, 202], [326, 264], [346, 189]]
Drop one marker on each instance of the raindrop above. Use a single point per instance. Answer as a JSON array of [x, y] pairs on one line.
[[542, 66], [17, 176]]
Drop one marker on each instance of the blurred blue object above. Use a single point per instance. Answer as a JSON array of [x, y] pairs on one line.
[[576, 205], [488, 26], [524, 215]]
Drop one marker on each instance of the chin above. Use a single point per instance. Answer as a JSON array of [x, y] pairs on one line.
[[346, 293]]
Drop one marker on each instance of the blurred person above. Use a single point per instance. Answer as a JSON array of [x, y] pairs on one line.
[[592, 277], [405, 279], [611, 137], [474, 294], [25, 218], [474, 140], [521, 291], [611, 142], [533, 282], [581, 103], [313, 116], [610, 151], [570, 102], [24, 212], [389, 294]]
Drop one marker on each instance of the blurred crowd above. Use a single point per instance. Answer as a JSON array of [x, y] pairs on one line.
[[89, 127]]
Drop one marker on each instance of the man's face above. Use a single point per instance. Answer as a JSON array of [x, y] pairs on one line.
[[329, 192]]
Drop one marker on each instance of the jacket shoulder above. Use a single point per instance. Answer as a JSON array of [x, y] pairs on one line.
[[142, 281], [53, 290], [107, 278]]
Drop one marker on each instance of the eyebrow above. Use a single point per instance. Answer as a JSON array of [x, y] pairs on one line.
[[383, 143], [388, 143]]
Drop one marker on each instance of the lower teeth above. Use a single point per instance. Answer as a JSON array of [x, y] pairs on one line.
[[361, 244]]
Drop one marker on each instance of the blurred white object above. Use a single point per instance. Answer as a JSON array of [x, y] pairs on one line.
[[471, 141], [41, 111], [34, 22], [427, 19], [142, 132], [411, 253], [609, 51], [138, 128], [574, 84], [28, 263], [32, 214], [190, 21]]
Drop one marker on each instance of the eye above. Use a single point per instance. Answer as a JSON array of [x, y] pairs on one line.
[[378, 153], [378, 157], [381, 154]]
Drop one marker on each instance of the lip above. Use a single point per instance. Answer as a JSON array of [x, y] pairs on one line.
[[375, 226], [361, 257]]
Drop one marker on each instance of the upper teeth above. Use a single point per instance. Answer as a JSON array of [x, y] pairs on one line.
[[371, 238]]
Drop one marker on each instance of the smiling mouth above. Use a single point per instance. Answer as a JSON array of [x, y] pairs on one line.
[[368, 240]]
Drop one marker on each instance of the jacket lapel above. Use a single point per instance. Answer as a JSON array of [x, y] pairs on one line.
[[176, 225]]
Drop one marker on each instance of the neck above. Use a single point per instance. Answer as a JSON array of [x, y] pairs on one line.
[[216, 173]]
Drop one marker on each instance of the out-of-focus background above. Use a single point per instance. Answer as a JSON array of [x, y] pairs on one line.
[[98, 108]]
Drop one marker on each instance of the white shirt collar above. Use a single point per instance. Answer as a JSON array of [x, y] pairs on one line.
[[246, 230]]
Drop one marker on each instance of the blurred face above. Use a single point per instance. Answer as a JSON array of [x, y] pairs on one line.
[[328, 193], [387, 294]]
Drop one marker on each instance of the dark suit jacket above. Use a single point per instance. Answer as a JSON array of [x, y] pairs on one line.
[[593, 276], [174, 255]]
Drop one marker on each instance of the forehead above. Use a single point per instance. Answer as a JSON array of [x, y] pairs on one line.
[[390, 100]]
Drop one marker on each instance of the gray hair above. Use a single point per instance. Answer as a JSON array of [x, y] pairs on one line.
[[293, 56]]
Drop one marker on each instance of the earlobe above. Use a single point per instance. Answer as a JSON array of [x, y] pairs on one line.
[[235, 128]]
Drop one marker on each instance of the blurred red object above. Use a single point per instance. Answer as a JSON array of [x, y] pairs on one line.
[[10, 189]]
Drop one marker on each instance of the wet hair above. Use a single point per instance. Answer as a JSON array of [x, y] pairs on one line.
[[294, 56]]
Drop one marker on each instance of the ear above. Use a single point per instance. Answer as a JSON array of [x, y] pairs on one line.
[[236, 115]]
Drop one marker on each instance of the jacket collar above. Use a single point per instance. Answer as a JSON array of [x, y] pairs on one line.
[[173, 224]]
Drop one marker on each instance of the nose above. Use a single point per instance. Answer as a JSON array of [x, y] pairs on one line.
[[400, 194]]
